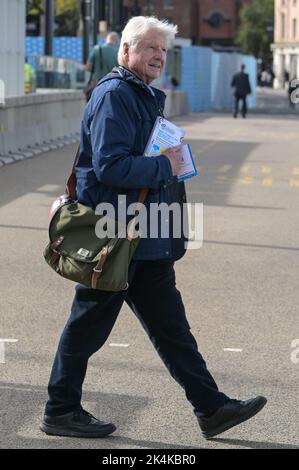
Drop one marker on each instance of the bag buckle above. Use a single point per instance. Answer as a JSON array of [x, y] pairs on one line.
[[97, 270]]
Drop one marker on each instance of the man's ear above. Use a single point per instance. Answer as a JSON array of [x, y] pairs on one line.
[[126, 48]]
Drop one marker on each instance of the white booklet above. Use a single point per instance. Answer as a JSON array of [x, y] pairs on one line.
[[166, 135]]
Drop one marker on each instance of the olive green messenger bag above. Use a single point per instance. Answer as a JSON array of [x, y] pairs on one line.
[[76, 253]]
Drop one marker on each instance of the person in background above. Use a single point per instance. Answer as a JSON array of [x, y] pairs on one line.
[[29, 77], [101, 61], [272, 77], [265, 78], [286, 79], [242, 87]]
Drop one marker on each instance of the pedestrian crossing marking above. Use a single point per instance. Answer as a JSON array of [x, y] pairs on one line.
[[266, 169], [267, 182]]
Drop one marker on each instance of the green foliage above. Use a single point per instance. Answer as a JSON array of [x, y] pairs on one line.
[[67, 6], [67, 23], [67, 15], [35, 7], [256, 33]]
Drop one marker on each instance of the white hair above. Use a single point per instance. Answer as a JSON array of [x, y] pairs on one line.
[[138, 26]]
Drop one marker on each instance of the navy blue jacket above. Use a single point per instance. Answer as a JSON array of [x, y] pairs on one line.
[[116, 126]]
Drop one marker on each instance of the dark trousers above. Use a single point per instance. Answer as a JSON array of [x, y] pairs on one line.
[[242, 98], [158, 305]]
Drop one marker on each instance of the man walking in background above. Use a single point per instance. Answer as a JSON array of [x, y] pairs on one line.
[[101, 61], [242, 87]]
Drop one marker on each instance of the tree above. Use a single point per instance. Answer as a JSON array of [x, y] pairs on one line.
[[35, 7], [256, 33], [67, 15]]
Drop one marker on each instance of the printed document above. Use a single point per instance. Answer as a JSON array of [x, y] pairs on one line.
[[166, 135]]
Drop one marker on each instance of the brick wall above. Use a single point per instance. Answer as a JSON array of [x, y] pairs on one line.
[[204, 21]]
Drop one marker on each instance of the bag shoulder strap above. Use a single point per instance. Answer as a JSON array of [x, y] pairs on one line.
[[72, 180], [71, 184], [100, 57]]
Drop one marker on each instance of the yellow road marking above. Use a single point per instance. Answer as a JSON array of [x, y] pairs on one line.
[[267, 169], [294, 182], [277, 135], [206, 147], [244, 169], [222, 178], [225, 168], [267, 181], [296, 171], [247, 180]]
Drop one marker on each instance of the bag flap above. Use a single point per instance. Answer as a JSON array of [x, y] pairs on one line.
[[77, 224]]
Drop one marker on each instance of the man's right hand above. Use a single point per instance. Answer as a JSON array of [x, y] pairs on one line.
[[175, 156]]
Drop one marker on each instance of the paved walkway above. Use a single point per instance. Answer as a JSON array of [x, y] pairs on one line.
[[240, 291], [271, 101]]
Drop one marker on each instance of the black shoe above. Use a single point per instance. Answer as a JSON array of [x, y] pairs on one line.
[[77, 423], [229, 415], [235, 115]]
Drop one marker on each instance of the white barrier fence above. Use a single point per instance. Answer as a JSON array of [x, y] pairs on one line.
[[34, 119]]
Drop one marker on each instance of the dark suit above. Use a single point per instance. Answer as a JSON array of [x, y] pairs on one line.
[[242, 87]]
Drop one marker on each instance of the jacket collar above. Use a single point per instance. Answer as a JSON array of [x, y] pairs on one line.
[[130, 77]]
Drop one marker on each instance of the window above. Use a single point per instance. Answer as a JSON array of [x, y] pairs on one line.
[[294, 28], [216, 20], [282, 25], [149, 4], [168, 4]]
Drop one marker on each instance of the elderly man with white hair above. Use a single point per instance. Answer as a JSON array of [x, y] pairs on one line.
[[117, 124]]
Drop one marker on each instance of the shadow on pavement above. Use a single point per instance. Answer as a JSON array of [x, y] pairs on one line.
[[254, 444], [46, 175], [251, 245], [21, 414], [211, 157], [151, 444]]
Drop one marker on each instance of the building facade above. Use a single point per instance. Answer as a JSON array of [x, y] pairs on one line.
[[286, 45], [219, 21], [183, 13], [205, 22]]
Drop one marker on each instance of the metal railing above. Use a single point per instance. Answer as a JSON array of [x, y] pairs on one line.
[[57, 73]]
